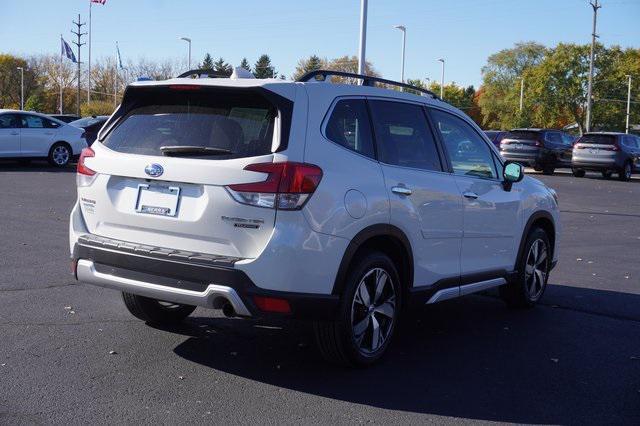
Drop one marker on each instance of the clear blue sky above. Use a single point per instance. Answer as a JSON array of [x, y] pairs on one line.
[[464, 32]]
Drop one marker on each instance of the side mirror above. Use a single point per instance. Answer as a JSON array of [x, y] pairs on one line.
[[513, 173]]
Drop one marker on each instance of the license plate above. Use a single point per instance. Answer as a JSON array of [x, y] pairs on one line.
[[594, 151], [518, 146], [158, 200]]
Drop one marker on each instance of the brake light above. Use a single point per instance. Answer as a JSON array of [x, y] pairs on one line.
[[272, 304], [184, 87], [82, 168], [287, 186], [615, 147]]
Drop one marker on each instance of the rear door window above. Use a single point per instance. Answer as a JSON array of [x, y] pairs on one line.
[[403, 135], [33, 122], [9, 121], [349, 126], [199, 123]]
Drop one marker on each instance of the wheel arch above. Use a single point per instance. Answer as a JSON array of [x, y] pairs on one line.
[[386, 238], [540, 219]]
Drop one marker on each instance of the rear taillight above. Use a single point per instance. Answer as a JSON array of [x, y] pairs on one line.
[[85, 175], [615, 147], [287, 185]]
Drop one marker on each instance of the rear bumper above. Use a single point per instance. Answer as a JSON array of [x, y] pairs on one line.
[[594, 165], [186, 278]]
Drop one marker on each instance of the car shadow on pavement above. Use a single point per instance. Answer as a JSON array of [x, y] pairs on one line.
[[35, 166], [470, 358]]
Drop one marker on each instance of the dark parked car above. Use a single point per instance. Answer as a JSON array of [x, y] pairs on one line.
[[495, 136], [67, 118], [608, 153], [543, 149], [91, 126]]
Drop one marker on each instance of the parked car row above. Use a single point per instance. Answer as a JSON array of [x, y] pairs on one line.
[[28, 136], [546, 150]]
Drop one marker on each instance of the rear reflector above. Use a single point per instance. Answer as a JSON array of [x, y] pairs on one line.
[[272, 304]]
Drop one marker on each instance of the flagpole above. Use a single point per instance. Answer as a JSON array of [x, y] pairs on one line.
[[60, 73], [89, 58], [115, 79]]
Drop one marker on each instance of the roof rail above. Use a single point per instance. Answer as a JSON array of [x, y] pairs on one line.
[[205, 74], [367, 80]]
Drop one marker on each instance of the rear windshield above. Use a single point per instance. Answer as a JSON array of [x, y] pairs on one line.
[[522, 135], [89, 121], [228, 124], [598, 139]]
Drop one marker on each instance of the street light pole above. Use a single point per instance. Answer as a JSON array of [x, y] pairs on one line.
[[188, 40], [404, 43], [442, 80], [595, 7], [363, 37], [22, 90], [628, 103], [521, 92]]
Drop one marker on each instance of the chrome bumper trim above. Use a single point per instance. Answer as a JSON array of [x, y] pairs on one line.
[[86, 272]]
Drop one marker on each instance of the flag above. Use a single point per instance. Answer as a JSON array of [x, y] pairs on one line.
[[65, 50], [98, 1], [119, 57]]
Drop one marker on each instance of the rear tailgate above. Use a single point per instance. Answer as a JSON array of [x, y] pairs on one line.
[[146, 195], [596, 149]]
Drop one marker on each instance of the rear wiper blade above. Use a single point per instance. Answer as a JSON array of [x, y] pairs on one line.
[[186, 150]]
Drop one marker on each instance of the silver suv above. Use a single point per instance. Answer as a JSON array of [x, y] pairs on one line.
[[607, 153], [342, 204]]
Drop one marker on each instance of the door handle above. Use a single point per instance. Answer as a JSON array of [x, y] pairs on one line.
[[401, 190], [470, 195]]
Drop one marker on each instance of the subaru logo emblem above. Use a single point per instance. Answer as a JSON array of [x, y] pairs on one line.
[[154, 170]]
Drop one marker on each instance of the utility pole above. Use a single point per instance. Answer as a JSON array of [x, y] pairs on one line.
[[442, 80], [404, 43], [21, 69], [521, 92], [595, 5], [79, 44], [363, 37], [188, 40], [628, 103]]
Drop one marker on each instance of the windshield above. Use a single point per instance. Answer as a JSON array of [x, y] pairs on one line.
[[598, 139], [237, 124], [522, 135]]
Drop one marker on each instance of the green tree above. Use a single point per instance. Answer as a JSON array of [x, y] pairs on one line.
[[10, 80], [221, 66], [263, 68], [306, 65], [97, 108], [245, 64], [500, 82], [36, 101], [207, 63]]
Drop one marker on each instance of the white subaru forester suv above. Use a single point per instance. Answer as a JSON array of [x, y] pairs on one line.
[[343, 204]]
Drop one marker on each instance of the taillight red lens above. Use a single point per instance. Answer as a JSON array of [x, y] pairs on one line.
[[272, 304], [287, 186], [82, 168]]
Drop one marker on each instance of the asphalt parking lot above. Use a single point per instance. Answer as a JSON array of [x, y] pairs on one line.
[[72, 353]]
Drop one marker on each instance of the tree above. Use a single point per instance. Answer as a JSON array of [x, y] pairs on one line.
[[263, 68], [97, 108], [221, 66], [207, 63], [306, 65], [245, 64], [10, 80], [500, 82]]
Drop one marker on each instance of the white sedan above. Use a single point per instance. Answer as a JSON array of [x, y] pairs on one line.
[[29, 135]]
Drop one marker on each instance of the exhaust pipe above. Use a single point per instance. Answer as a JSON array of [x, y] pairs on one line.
[[228, 311]]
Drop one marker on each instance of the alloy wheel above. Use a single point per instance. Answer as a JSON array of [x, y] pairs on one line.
[[373, 310], [60, 155], [536, 267]]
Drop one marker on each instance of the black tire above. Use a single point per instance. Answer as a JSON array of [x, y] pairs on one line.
[[154, 311], [548, 170], [578, 173], [517, 293], [337, 339], [60, 154], [607, 174], [625, 173]]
